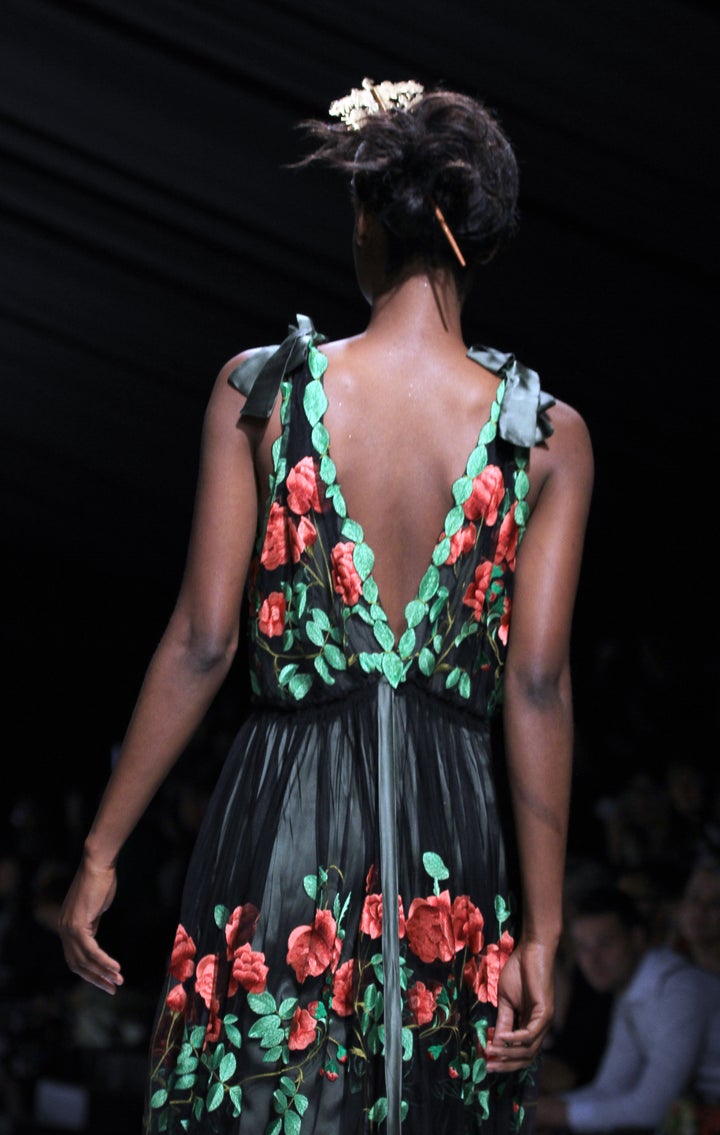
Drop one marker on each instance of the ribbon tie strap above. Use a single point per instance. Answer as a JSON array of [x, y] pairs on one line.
[[259, 376]]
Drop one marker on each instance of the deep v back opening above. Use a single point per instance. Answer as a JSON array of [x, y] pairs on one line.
[[398, 624]]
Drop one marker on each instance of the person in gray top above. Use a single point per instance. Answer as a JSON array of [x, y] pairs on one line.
[[664, 1035]]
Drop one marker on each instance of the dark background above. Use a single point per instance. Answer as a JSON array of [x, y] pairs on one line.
[[150, 229]]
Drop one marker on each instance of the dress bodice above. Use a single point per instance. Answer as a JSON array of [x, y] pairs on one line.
[[318, 629]]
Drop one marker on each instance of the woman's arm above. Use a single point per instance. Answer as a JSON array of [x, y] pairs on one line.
[[184, 675], [538, 724]]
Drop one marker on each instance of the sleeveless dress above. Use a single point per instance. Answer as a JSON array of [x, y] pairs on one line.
[[345, 916]]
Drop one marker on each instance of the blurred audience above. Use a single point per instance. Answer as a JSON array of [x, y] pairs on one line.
[[696, 931], [663, 1042]]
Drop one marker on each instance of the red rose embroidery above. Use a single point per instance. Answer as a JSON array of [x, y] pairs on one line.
[[301, 536], [303, 1029], [483, 977], [176, 999], [313, 949], [344, 989], [475, 595], [507, 541], [346, 580], [422, 1003], [212, 1029], [248, 970], [468, 925], [240, 927], [462, 541], [372, 916], [271, 617], [205, 977], [504, 627], [487, 493], [304, 487], [181, 964], [429, 928], [275, 546]]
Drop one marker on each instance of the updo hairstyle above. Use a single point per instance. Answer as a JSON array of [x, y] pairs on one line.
[[446, 149]]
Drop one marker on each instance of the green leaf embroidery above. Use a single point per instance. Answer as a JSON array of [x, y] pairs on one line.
[[236, 1099], [281, 1101], [363, 559], [319, 616], [317, 362], [407, 643], [314, 402], [488, 432], [320, 437], [434, 866], [393, 668], [159, 1098], [441, 553], [415, 612], [323, 670], [291, 1123], [260, 1003], [384, 635], [215, 1096], [227, 1066], [328, 471], [370, 590], [351, 530], [315, 633], [429, 583], [464, 686], [454, 520], [453, 678], [285, 1011], [378, 1111], [335, 657], [299, 685], [462, 489], [477, 461], [426, 662], [221, 915], [522, 484], [437, 608], [310, 886]]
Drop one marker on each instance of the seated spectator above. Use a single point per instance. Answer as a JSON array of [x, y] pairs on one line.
[[697, 923], [664, 1036]]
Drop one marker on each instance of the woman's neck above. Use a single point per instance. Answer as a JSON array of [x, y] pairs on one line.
[[424, 306]]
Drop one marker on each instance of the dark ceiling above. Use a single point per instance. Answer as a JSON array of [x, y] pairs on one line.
[[150, 229]]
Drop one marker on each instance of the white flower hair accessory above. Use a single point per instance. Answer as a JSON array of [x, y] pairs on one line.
[[372, 97]]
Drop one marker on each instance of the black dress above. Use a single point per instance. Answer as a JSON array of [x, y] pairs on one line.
[[346, 916]]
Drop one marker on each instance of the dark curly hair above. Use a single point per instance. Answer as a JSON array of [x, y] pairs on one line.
[[446, 148]]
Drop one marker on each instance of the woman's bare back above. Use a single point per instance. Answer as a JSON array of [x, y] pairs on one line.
[[402, 422]]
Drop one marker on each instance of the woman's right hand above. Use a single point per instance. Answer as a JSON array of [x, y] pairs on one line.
[[91, 893]]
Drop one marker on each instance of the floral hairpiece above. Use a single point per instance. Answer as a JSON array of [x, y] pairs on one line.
[[372, 97]]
